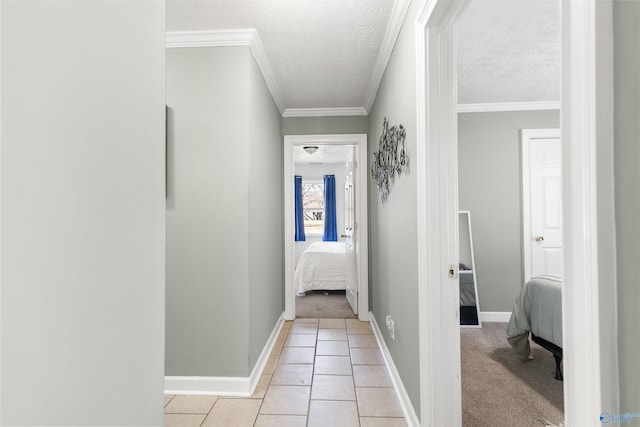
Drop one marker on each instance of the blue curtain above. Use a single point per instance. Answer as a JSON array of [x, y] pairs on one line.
[[299, 212], [330, 228]]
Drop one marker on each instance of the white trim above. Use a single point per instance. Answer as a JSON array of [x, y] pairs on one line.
[[1, 258], [405, 402], [289, 233], [225, 386], [589, 302], [249, 37], [240, 37], [495, 316], [508, 106], [591, 382], [437, 227], [207, 386], [324, 112], [258, 368], [267, 73], [396, 21], [362, 203], [526, 136], [212, 38]]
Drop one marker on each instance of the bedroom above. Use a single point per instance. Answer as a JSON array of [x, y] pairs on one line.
[[494, 200], [321, 225], [492, 187]]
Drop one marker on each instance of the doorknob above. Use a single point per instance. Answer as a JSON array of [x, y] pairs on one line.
[[539, 239]]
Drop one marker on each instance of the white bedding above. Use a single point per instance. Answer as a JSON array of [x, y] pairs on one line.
[[538, 309], [321, 267]]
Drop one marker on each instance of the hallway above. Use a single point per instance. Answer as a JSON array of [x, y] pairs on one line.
[[322, 372]]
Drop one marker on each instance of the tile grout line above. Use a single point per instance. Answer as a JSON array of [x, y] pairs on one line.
[[255, 421], [272, 374], [210, 410], [353, 378], [313, 374], [278, 356]]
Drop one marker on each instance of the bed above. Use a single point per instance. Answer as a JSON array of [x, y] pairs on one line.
[[538, 311], [322, 266]]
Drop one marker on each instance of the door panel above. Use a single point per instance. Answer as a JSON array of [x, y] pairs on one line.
[[350, 235], [543, 234], [552, 261]]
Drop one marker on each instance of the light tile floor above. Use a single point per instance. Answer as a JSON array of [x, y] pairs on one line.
[[321, 373]]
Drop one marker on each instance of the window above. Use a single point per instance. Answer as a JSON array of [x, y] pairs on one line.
[[313, 207]]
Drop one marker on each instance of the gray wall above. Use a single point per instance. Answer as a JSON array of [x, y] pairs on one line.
[[82, 213], [490, 187], [207, 215], [324, 125], [627, 193], [224, 213], [393, 262], [266, 214]]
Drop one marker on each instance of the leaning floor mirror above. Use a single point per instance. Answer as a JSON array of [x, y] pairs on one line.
[[469, 305]]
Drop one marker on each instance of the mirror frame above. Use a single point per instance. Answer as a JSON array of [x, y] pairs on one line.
[[473, 268]]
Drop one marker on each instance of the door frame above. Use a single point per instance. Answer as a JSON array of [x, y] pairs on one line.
[[591, 382], [586, 123], [526, 136], [361, 217], [437, 204]]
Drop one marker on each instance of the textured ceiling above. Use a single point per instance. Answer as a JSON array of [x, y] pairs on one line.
[[325, 154], [509, 51], [322, 52]]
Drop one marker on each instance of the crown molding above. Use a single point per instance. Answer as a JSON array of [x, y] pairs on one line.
[[508, 106], [396, 20], [249, 37], [324, 112], [240, 37], [214, 38]]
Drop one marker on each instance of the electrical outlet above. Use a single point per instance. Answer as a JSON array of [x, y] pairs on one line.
[[391, 326]]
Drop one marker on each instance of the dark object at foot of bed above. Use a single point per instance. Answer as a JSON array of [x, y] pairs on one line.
[[554, 349]]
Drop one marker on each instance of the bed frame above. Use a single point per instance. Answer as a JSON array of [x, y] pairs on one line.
[[554, 349]]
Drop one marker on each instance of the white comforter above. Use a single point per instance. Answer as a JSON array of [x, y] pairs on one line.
[[538, 309], [321, 267]]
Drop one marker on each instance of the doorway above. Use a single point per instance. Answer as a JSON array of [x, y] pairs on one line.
[[494, 198], [591, 383], [352, 229]]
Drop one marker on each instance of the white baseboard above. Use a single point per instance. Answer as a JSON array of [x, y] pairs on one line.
[[403, 396], [495, 316], [225, 386], [208, 386], [258, 368]]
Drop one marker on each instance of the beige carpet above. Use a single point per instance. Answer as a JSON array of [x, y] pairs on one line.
[[317, 305], [498, 389]]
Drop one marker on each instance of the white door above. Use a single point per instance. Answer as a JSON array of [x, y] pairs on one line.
[[349, 235], [542, 202]]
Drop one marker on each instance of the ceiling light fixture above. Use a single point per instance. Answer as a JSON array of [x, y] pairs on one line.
[[310, 149]]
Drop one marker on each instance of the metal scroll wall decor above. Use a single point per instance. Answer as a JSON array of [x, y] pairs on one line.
[[390, 159]]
